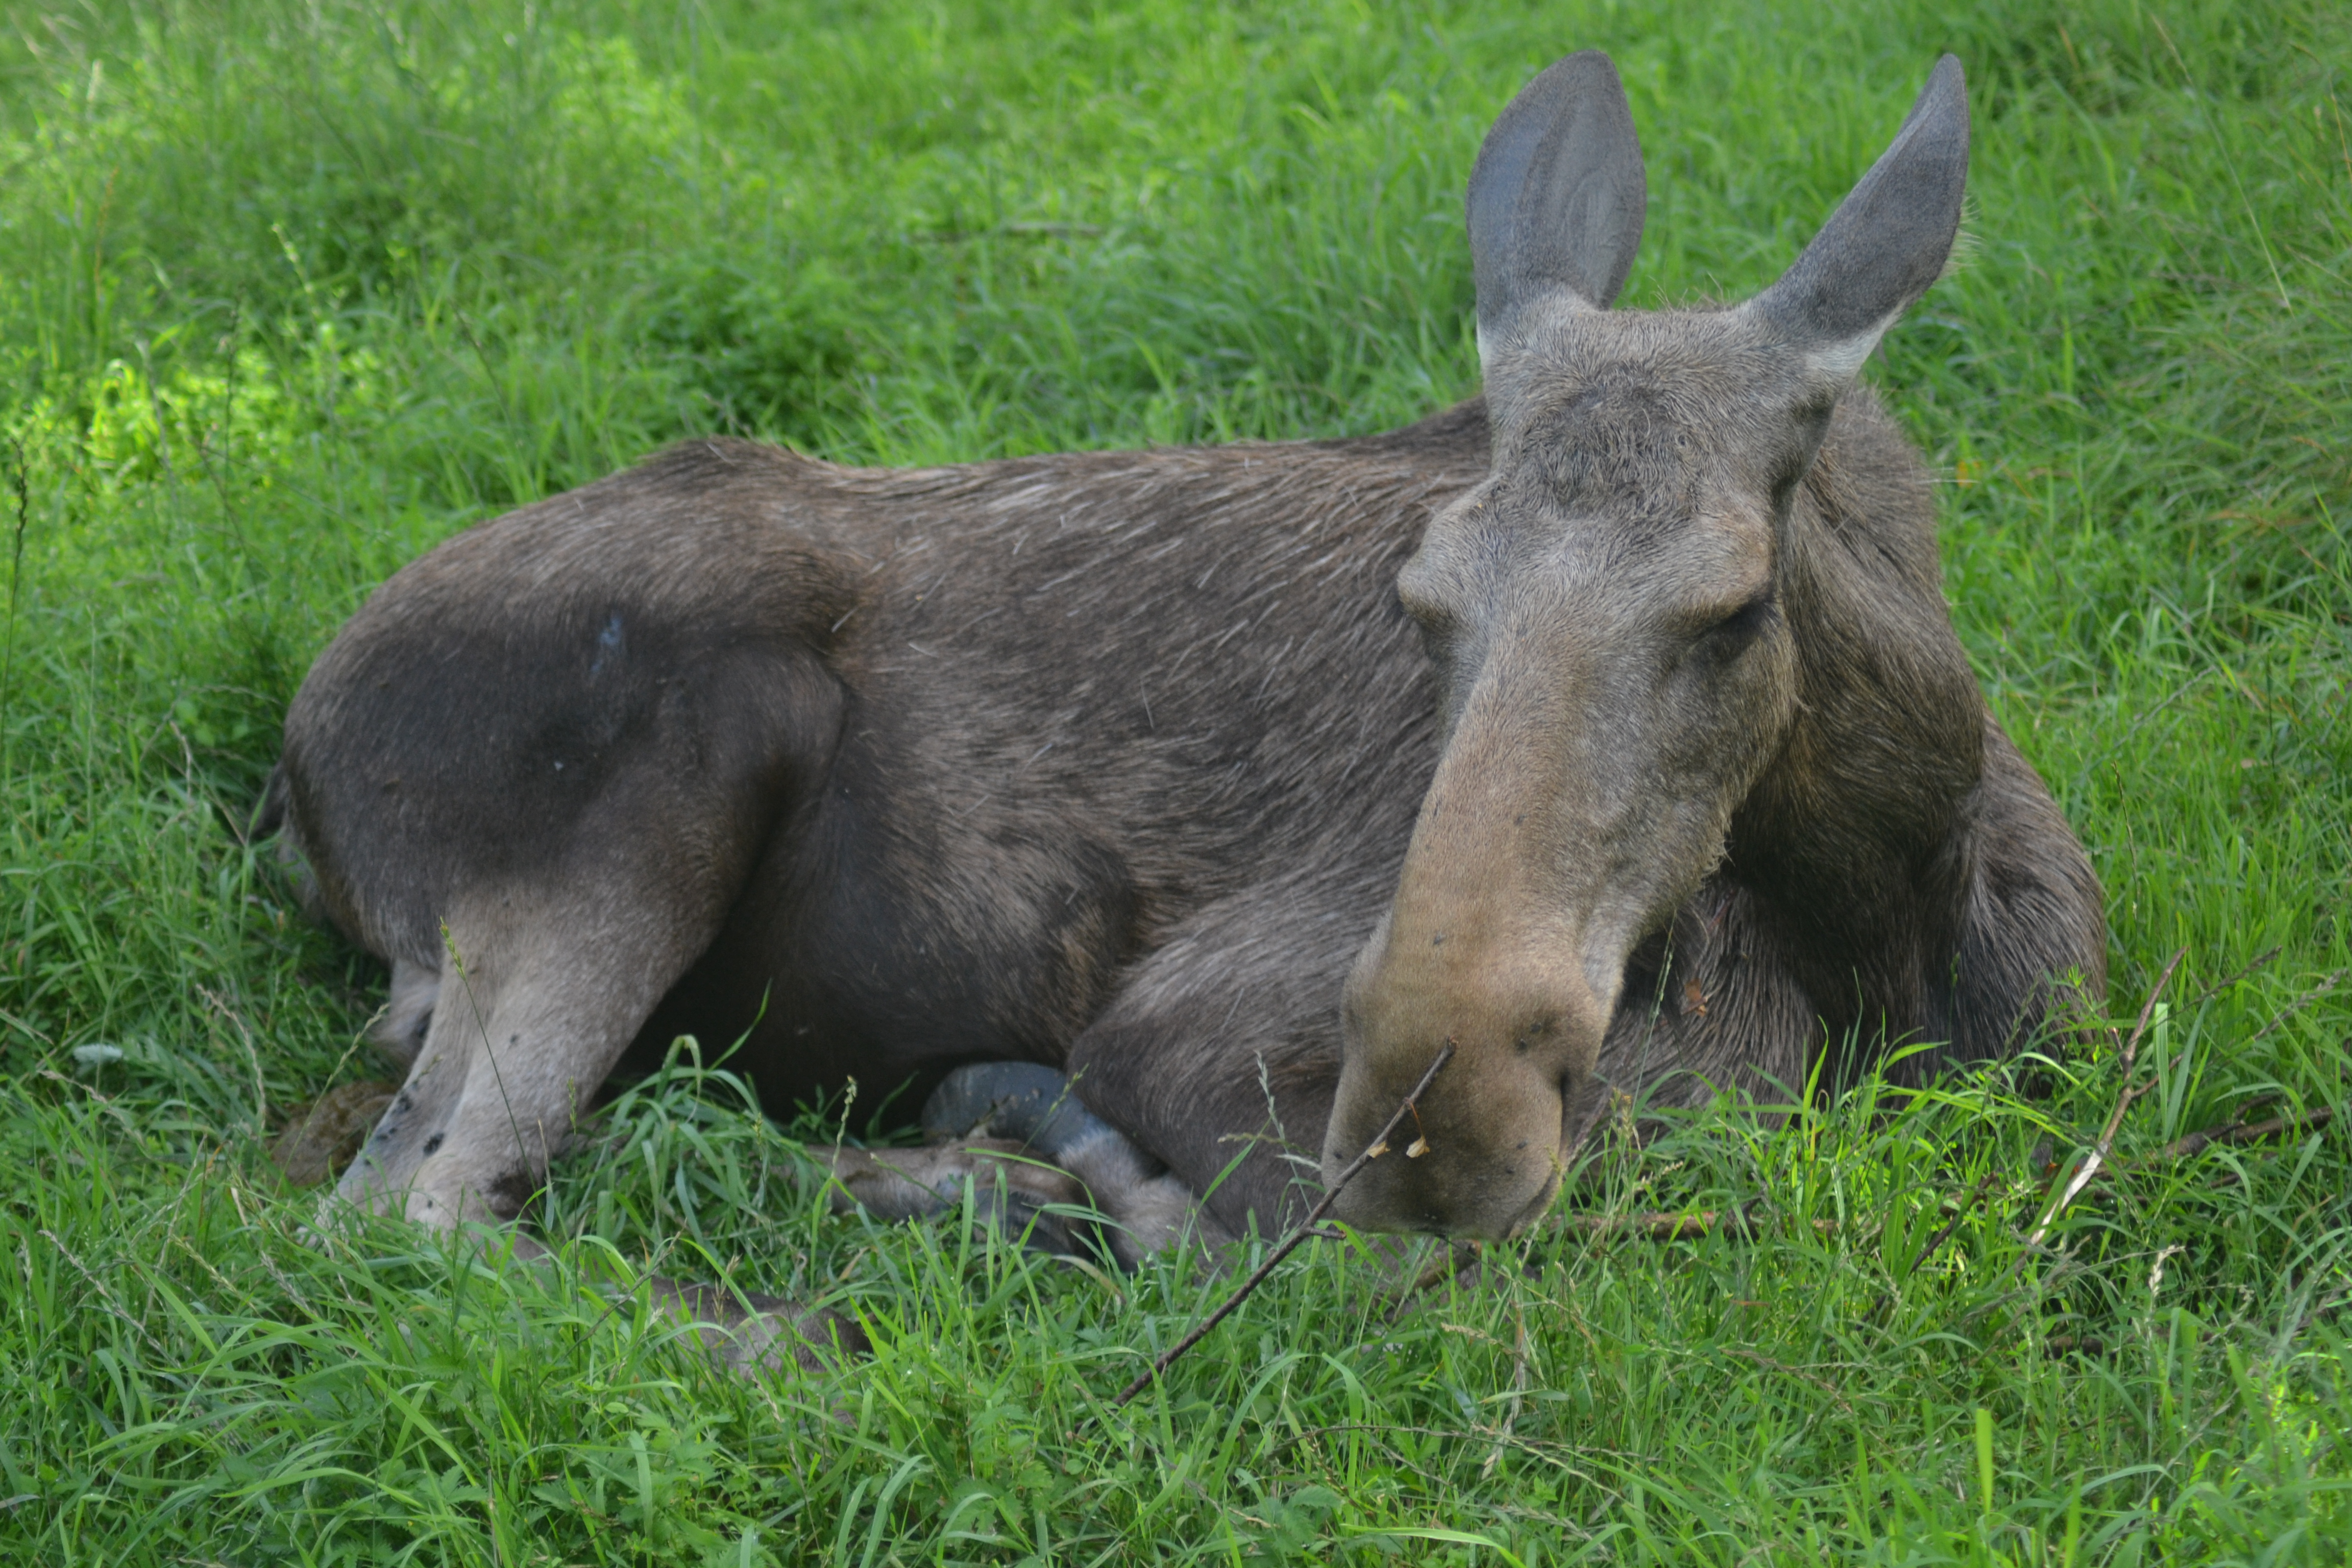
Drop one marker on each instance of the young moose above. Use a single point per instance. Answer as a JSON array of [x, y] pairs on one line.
[[1610, 727]]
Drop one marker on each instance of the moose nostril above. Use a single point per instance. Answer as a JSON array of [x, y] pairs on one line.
[[1540, 1029]]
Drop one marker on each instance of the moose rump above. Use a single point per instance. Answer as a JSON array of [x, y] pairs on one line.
[[1610, 727]]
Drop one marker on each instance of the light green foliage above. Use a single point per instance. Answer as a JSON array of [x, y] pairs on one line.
[[288, 292]]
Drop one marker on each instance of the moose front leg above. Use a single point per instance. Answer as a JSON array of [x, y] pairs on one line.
[[562, 932], [1221, 1053], [1022, 1124], [533, 1008]]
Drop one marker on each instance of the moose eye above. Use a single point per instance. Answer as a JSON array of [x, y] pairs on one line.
[[1433, 616], [1436, 631], [1739, 628], [1427, 612]]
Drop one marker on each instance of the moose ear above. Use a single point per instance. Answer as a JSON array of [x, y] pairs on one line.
[[1556, 196], [1887, 241]]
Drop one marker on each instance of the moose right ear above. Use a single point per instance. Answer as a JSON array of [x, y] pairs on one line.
[[1887, 241], [1556, 196]]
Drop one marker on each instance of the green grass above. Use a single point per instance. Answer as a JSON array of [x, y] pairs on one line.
[[289, 292]]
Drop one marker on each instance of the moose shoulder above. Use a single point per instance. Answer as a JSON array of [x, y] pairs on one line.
[[1611, 727]]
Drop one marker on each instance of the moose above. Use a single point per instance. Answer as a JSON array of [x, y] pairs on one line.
[[1165, 811]]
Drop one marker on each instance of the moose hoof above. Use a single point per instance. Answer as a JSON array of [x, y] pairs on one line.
[[1020, 1102], [1029, 1109]]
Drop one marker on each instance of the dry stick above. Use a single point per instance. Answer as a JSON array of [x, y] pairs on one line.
[[2098, 1155], [1659, 1225], [2237, 1132], [2221, 986], [2189, 1144], [2298, 1004], [1975, 1195], [1311, 1225]]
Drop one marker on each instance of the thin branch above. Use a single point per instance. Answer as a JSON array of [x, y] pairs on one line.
[[2236, 1133], [1312, 1225], [2221, 986], [2190, 1143], [2098, 1155], [1659, 1225], [1935, 1243], [2298, 1004]]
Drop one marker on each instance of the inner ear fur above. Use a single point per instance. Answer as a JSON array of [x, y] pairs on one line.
[[1888, 240], [1558, 195]]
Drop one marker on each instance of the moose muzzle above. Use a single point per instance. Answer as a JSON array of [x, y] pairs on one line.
[[1482, 1151]]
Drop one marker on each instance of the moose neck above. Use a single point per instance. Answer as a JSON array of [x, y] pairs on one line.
[[1853, 830]]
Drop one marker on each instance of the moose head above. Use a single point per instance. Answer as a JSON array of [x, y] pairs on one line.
[[1618, 618]]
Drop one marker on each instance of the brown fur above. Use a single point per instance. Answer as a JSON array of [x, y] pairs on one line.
[[1112, 761]]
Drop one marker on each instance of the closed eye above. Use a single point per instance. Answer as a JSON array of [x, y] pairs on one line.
[[1437, 635], [1427, 612], [1741, 627], [1431, 616]]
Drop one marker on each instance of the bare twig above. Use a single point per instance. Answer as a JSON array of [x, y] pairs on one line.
[[1935, 1243], [1658, 1226], [2130, 1091], [1312, 1225], [2223, 984], [2237, 1132], [2298, 1004]]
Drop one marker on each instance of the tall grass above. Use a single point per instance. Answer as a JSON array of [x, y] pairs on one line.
[[289, 292]]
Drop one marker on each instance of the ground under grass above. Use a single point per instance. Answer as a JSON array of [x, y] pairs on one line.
[[288, 292]]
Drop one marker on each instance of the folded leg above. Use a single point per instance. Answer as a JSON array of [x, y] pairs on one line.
[[1221, 1053], [565, 934], [1147, 1207]]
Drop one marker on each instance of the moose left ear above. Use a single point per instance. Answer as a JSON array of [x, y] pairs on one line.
[[1558, 195], [1887, 241]]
